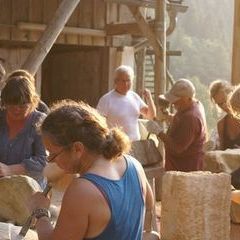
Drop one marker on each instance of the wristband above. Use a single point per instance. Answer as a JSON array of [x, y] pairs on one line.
[[41, 212]]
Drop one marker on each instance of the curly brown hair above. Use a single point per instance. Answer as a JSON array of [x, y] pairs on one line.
[[71, 121]]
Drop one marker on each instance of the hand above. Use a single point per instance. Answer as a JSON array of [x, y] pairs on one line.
[[38, 200], [147, 94], [5, 170], [153, 127], [165, 115]]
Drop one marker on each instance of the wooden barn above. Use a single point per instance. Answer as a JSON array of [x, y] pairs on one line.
[[99, 36]]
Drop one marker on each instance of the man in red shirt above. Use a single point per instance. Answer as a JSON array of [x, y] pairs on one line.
[[186, 135]]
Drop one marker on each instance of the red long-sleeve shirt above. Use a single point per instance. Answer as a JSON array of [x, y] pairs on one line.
[[188, 134]]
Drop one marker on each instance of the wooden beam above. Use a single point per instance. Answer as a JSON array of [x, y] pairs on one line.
[[50, 35], [140, 45], [146, 30], [123, 28], [150, 4], [142, 3], [140, 70], [160, 61], [126, 28], [168, 53], [236, 45], [66, 30]]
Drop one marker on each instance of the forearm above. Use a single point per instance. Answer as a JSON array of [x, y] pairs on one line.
[[44, 229], [151, 113]]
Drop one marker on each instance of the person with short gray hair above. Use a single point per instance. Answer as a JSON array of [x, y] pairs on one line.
[[122, 107]]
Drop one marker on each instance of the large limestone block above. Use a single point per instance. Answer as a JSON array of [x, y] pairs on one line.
[[222, 161], [15, 192], [196, 206], [10, 232]]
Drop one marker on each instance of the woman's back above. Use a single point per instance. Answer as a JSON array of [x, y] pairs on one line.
[[124, 197]]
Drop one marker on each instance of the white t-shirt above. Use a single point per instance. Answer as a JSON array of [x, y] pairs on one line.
[[122, 111]]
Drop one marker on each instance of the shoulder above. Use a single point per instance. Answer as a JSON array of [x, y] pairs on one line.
[[135, 97], [105, 98], [134, 94], [108, 95], [221, 122], [188, 117], [81, 192], [37, 118], [38, 115], [137, 165], [42, 107]]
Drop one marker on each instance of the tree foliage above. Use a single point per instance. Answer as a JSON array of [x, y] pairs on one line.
[[204, 35]]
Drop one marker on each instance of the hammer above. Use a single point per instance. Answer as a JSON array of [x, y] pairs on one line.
[[26, 226]]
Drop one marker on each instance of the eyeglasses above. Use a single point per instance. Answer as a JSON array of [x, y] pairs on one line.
[[51, 157]]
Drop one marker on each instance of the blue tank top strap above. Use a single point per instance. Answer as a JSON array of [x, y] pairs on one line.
[[126, 203]]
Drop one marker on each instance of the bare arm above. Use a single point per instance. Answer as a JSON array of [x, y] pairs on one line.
[[74, 215], [149, 111], [148, 196]]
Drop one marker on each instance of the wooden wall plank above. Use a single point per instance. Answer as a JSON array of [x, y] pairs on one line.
[[5, 19], [98, 19], [72, 22], [80, 74], [19, 13], [85, 19], [89, 14], [35, 16]]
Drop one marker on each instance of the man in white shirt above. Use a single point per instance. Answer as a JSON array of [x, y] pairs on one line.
[[122, 107]]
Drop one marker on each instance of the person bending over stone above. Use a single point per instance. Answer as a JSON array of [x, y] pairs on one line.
[[42, 107], [108, 200], [21, 147]]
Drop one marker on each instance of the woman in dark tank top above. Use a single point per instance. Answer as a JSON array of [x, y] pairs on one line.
[[228, 127]]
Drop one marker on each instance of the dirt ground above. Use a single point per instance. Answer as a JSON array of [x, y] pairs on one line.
[[235, 228]]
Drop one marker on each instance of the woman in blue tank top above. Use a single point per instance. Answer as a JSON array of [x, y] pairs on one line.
[[108, 201]]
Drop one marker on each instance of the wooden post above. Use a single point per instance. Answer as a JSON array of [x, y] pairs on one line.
[[48, 38], [160, 61], [236, 45], [140, 65], [146, 30]]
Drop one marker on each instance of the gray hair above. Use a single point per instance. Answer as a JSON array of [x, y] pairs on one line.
[[126, 69]]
